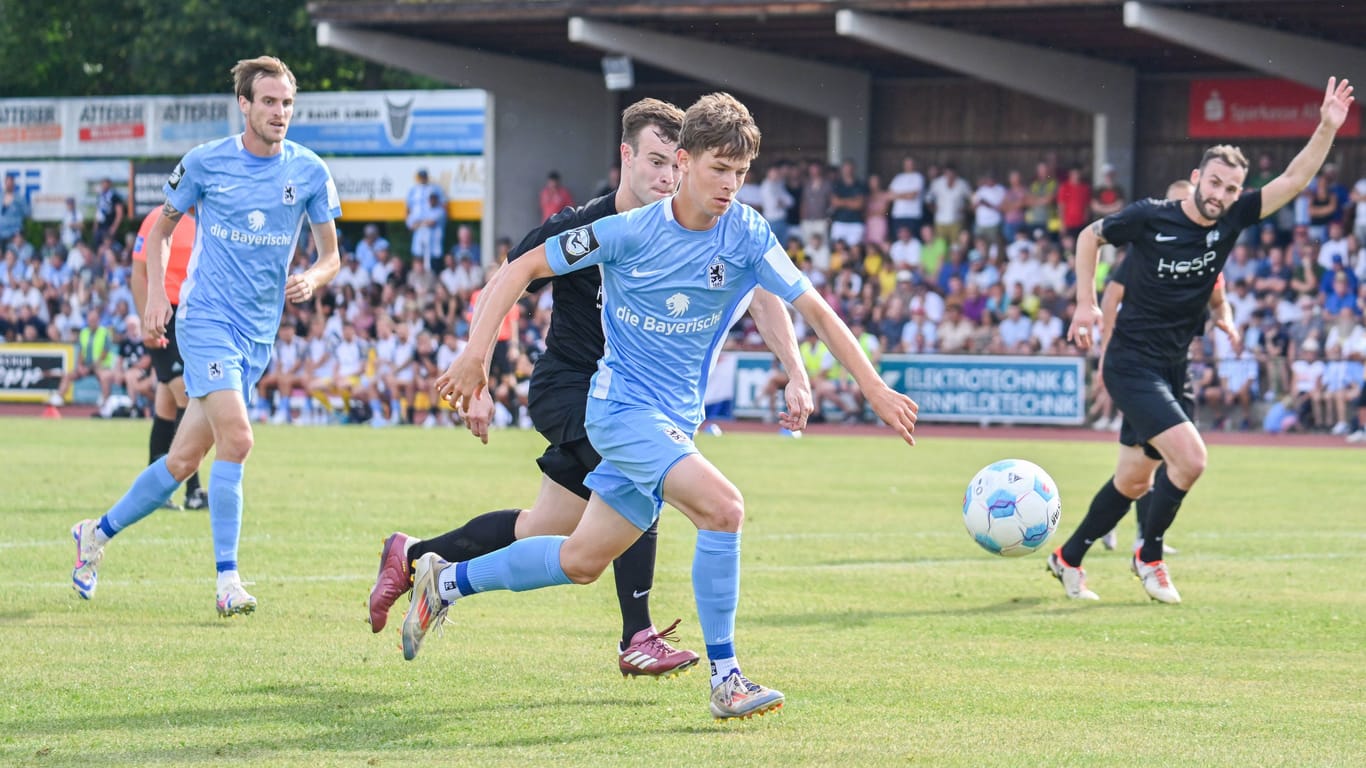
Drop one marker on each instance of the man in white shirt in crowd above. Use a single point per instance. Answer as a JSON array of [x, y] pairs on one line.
[[986, 208], [908, 203], [950, 195], [775, 201]]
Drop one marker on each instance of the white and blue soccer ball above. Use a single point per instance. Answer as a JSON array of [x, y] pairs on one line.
[[1011, 507]]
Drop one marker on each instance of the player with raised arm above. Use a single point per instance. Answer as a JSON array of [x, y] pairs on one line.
[[1179, 250], [558, 397], [169, 403], [676, 275], [251, 193], [1110, 299]]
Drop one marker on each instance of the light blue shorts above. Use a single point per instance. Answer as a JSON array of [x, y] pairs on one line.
[[638, 445], [217, 357]]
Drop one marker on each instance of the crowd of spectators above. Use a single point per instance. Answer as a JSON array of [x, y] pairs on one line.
[[925, 262]]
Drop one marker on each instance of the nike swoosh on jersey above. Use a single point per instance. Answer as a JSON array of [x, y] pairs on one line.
[[635, 272], [1165, 238]]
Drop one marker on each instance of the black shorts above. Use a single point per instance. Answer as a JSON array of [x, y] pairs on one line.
[[1153, 399], [556, 401], [166, 361], [499, 365]]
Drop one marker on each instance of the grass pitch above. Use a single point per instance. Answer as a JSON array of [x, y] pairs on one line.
[[896, 640]]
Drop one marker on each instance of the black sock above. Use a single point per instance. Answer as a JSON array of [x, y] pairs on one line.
[[1166, 500], [635, 575], [1141, 511], [159, 444], [1107, 508], [484, 534]]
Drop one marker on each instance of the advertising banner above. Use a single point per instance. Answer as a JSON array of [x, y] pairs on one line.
[[750, 372], [345, 123], [989, 389], [30, 373], [49, 183], [149, 182], [181, 123], [391, 122], [1258, 108], [376, 188], [977, 389], [30, 127], [107, 126]]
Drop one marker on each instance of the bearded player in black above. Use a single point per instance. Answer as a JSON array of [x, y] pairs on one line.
[[558, 397], [1179, 249]]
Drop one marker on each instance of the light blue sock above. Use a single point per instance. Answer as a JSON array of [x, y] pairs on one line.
[[153, 486], [716, 586], [225, 512], [529, 563]]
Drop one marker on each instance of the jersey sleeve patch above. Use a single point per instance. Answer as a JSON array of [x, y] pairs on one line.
[[176, 175], [578, 243]]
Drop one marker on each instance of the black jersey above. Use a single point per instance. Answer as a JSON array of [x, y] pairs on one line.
[[1170, 272], [575, 335]]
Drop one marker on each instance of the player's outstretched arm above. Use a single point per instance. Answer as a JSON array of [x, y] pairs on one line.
[[775, 325], [478, 416], [1088, 312], [898, 411], [468, 373], [302, 286], [1337, 101]]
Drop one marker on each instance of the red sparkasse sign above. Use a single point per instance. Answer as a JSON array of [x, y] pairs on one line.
[[1258, 108]]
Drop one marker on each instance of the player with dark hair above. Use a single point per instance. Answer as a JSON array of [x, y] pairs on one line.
[[1179, 249], [168, 406], [251, 193]]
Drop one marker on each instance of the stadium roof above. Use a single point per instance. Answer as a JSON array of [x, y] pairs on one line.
[[537, 29]]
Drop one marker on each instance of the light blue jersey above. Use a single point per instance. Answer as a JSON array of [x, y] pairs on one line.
[[250, 212], [670, 295]]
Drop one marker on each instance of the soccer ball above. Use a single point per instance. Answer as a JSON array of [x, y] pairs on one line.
[[1011, 507]]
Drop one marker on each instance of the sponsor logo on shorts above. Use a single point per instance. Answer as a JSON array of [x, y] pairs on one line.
[[675, 434]]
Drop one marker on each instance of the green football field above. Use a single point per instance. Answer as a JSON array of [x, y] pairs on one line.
[[895, 638]]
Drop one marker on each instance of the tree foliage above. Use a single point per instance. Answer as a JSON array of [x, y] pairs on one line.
[[119, 47]]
